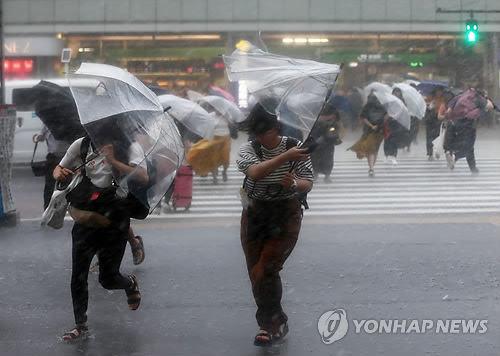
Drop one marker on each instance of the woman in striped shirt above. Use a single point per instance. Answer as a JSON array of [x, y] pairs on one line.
[[278, 174]]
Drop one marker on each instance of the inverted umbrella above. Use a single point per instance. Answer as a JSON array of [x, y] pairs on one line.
[[414, 100], [190, 114], [56, 108], [114, 105], [274, 79], [224, 107]]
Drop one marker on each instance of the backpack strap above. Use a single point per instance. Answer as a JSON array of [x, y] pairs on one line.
[[290, 142]]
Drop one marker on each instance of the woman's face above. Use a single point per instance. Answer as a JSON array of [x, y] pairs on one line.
[[268, 136]]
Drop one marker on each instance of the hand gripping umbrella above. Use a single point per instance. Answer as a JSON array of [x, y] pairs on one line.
[[190, 114], [115, 106], [275, 79], [414, 100]]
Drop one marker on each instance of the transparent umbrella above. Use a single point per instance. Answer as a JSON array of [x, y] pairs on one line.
[[392, 104], [224, 107], [190, 114], [414, 100], [275, 79], [114, 105]]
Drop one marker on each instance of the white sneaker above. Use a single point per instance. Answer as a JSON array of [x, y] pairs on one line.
[[394, 162]]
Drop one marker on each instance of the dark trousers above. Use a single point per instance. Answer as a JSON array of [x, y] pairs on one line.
[[111, 243], [390, 147], [463, 133], [52, 161], [265, 255], [432, 126]]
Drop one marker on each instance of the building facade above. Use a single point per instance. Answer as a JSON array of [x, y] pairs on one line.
[[179, 43]]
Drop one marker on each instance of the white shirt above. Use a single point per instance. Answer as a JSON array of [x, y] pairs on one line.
[[98, 169]]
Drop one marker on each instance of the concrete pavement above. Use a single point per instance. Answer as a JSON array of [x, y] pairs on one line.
[[197, 298]]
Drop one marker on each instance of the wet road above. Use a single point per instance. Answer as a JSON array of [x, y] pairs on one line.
[[197, 298]]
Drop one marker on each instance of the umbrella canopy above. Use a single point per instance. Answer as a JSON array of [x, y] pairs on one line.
[[224, 107], [426, 87], [414, 100], [190, 114], [376, 87], [213, 90], [194, 95], [55, 106], [274, 79], [394, 107], [115, 106]]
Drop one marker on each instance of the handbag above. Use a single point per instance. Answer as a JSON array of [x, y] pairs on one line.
[[86, 196], [39, 168], [438, 142], [54, 215]]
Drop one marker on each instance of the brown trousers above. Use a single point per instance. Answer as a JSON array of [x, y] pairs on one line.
[[266, 251]]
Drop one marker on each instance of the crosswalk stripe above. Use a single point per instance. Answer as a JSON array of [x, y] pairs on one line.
[[414, 186]]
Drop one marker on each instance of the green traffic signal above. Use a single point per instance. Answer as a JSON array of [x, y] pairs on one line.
[[471, 31]]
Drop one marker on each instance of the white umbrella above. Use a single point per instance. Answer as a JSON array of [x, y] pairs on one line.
[[273, 79], [376, 87], [190, 114], [394, 107], [414, 100], [114, 104]]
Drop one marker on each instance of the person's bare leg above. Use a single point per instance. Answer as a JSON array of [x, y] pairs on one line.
[[214, 174], [224, 172], [371, 163], [136, 246]]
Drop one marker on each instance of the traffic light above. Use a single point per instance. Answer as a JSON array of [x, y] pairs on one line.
[[471, 31]]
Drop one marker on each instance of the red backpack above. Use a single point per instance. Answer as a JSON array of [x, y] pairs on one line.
[[465, 106]]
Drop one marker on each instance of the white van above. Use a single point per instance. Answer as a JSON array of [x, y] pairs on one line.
[[28, 124]]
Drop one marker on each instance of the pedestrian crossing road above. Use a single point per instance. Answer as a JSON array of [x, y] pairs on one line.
[[413, 187]]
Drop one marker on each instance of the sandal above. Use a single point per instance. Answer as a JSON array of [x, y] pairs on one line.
[[260, 342], [133, 294], [78, 332], [137, 260], [281, 333]]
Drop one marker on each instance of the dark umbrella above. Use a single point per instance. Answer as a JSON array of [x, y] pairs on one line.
[[55, 106], [426, 87]]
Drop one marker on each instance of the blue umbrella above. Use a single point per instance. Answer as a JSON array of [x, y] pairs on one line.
[[341, 103], [427, 86]]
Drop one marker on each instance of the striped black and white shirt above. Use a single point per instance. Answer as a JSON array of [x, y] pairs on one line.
[[269, 188]]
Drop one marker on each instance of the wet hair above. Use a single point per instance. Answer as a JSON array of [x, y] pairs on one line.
[[109, 131], [260, 120], [328, 110]]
